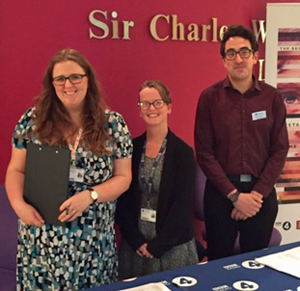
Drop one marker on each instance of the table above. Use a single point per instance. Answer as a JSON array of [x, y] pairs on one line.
[[221, 275]]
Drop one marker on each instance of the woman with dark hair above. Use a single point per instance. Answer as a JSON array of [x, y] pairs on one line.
[[155, 213], [70, 112]]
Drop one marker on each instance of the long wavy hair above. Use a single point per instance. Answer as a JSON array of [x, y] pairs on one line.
[[53, 122]]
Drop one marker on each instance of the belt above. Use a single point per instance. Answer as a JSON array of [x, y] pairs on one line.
[[241, 178]]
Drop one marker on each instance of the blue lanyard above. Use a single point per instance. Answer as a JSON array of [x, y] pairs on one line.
[[149, 184]]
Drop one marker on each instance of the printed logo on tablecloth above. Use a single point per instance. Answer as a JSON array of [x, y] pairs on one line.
[[245, 285], [252, 265], [184, 281], [231, 267], [298, 226], [298, 289], [286, 225], [222, 288]]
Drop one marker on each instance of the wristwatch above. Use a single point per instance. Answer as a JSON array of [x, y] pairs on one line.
[[93, 194], [234, 197]]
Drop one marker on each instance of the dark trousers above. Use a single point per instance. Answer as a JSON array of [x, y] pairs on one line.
[[222, 231]]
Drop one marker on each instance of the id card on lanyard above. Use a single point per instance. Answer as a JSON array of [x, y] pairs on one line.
[[76, 175], [148, 214]]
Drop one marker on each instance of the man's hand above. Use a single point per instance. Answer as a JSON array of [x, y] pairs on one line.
[[257, 195], [248, 203], [237, 215]]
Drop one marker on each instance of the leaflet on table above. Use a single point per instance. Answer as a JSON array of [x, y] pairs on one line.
[[149, 287], [287, 262]]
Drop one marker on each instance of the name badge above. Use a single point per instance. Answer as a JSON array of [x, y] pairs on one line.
[[76, 175], [259, 115], [148, 215]]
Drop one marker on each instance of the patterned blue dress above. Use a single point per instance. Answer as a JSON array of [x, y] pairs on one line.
[[81, 254]]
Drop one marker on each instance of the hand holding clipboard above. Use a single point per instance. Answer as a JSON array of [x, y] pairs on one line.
[[46, 180]]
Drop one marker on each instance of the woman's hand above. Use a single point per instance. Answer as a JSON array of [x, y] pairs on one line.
[[143, 252], [74, 206], [28, 214], [14, 187]]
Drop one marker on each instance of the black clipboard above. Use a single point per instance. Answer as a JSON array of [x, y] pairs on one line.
[[46, 180]]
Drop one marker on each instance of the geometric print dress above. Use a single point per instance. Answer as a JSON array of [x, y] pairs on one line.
[[81, 254]]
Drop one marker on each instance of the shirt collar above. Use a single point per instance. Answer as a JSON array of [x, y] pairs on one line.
[[255, 85]]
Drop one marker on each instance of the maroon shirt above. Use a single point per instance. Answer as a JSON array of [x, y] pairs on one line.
[[241, 134]]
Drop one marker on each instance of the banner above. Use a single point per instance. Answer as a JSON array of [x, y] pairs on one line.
[[282, 70]]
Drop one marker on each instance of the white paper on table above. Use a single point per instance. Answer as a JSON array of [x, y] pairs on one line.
[[149, 287], [287, 261]]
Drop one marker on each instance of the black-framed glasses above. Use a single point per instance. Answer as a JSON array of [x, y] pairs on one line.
[[74, 79], [244, 53], [159, 103]]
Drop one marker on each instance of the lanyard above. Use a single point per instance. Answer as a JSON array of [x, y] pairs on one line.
[[74, 147], [148, 184]]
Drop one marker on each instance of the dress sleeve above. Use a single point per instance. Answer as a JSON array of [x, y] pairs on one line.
[[118, 130], [22, 130]]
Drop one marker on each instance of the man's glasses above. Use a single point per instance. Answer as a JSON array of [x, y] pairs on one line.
[[244, 53], [156, 103], [74, 79]]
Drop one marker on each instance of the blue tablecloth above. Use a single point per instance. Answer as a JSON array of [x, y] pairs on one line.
[[221, 275]]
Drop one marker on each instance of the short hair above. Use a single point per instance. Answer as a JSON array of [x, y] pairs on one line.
[[238, 31], [160, 87]]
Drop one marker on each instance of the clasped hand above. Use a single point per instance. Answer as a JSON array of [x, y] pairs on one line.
[[247, 205], [143, 252]]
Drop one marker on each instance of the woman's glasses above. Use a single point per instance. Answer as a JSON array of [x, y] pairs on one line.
[[74, 79], [156, 103]]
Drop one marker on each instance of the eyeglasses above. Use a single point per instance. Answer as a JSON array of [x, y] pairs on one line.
[[244, 53], [156, 103], [74, 79]]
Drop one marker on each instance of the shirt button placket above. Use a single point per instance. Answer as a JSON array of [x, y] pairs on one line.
[[243, 142]]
